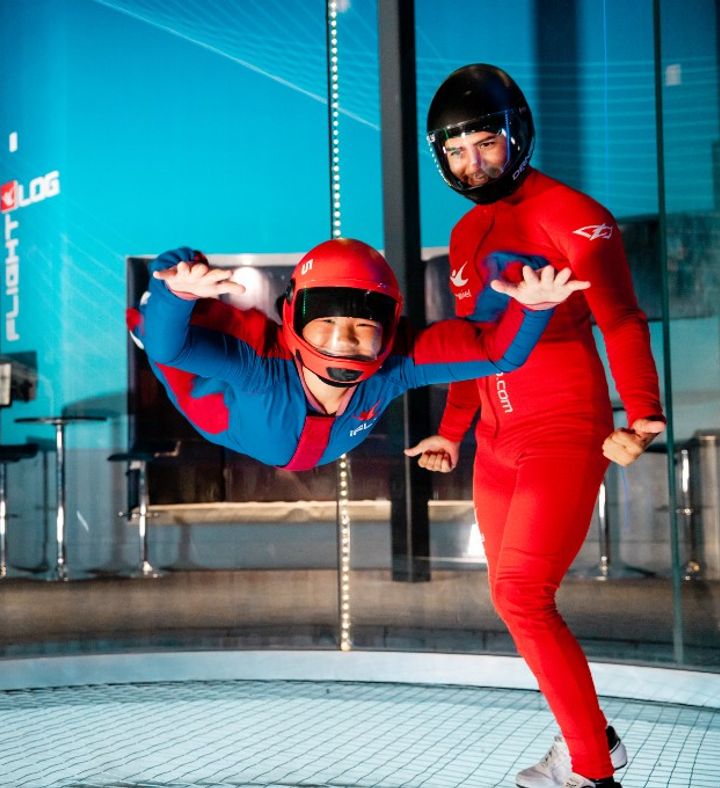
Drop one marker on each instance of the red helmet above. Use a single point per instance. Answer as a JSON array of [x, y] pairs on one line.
[[344, 278]]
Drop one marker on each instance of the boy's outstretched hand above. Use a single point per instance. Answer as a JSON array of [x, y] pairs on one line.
[[199, 280], [541, 289]]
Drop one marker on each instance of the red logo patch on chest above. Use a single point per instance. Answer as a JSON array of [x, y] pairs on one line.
[[366, 415]]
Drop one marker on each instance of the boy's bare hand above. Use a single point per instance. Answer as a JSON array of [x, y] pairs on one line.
[[199, 280], [541, 289]]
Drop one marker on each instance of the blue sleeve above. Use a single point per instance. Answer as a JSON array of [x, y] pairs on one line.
[[490, 304], [169, 338], [454, 350]]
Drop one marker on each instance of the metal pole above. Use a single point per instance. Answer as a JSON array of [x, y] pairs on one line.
[[60, 484], [3, 520], [411, 487], [686, 510], [142, 516], [604, 531]]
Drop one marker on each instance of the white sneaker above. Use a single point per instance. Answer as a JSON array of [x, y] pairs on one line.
[[578, 781], [555, 768], [551, 771]]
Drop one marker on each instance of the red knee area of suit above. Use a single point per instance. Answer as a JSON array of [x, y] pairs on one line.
[[534, 502]]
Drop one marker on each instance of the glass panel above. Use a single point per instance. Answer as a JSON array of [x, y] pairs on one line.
[[691, 130], [159, 128], [151, 126], [582, 67]]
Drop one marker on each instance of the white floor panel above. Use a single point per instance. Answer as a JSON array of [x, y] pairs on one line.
[[322, 733]]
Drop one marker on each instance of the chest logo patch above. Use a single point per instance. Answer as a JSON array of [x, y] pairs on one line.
[[367, 415], [593, 231], [456, 277]]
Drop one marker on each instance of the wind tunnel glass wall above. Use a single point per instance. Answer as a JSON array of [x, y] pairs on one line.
[[128, 128], [160, 128], [588, 71], [691, 125]]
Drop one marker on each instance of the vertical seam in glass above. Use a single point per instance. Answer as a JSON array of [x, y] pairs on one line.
[[678, 644], [606, 129], [342, 466]]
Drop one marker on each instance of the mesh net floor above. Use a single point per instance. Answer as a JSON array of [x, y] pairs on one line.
[[298, 733]]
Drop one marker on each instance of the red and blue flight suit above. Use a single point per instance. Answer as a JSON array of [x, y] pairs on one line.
[[231, 373]]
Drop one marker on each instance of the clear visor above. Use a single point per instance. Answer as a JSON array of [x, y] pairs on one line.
[[475, 153], [315, 302], [344, 302]]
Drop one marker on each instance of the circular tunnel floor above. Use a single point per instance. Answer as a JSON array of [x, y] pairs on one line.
[[311, 733]]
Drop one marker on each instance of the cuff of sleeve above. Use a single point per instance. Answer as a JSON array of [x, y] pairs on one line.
[[451, 435], [184, 296], [657, 415], [159, 289]]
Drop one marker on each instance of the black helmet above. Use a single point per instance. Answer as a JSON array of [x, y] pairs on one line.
[[482, 98]]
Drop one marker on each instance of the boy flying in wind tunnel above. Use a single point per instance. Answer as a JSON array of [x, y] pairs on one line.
[[305, 392]]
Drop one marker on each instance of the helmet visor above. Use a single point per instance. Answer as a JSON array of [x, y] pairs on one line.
[[478, 152], [318, 302]]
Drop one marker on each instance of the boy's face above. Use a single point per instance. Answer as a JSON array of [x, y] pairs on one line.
[[478, 157], [345, 337]]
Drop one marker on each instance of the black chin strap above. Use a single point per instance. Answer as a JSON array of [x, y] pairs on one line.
[[338, 384]]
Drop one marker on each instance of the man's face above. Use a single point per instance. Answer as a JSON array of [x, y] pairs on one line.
[[345, 337], [477, 157]]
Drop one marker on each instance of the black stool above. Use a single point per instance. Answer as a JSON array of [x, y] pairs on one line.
[[138, 458], [9, 453]]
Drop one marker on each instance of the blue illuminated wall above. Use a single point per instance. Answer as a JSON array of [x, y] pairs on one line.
[[167, 127], [172, 123]]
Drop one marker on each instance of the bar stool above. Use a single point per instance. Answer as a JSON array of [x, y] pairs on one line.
[[138, 458], [685, 510], [60, 571], [607, 568], [9, 453]]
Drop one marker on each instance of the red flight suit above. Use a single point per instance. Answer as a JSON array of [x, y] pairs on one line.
[[539, 462]]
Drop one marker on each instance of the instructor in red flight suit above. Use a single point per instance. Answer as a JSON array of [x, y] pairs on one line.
[[545, 432]]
